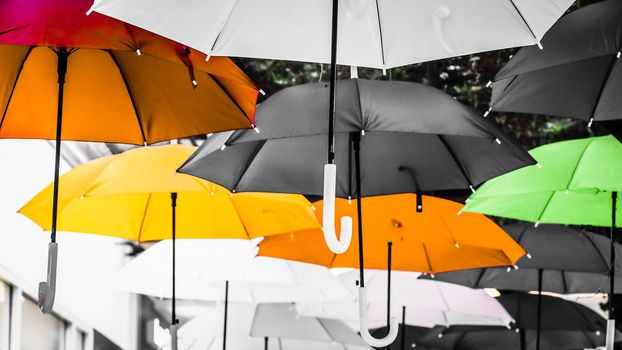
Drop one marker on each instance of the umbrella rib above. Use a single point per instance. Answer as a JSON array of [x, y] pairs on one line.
[[19, 71], [142, 222], [129, 92], [479, 278], [427, 257], [248, 164], [223, 25], [453, 156], [380, 33], [564, 282], [222, 87], [604, 85], [600, 254], [524, 21]]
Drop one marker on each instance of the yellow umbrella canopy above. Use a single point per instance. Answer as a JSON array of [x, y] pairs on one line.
[[129, 196]]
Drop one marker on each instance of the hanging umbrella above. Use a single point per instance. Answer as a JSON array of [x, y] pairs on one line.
[[65, 76], [258, 30], [570, 177], [569, 325], [578, 75], [421, 302], [380, 34], [275, 326], [204, 265], [399, 238], [454, 148], [134, 195], [582, 266]]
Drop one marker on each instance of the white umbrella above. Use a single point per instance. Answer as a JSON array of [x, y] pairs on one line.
[[422, 303], [372, 33], [279, 323], [204, 265]]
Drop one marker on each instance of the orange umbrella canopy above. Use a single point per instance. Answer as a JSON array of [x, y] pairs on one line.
[[123, 84], [433, 241]]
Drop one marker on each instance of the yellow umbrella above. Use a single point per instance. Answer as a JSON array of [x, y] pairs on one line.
[[138, 195]]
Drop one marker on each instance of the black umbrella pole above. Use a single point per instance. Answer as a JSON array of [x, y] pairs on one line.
[[403, 336], [612, 275], [47, 290], [389, 246], [356, 143], [224, 332], [174, 233], [265, 343], [523, 341], [333, 84], [539, 319]]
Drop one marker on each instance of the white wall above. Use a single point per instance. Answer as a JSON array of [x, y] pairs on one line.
[[87, 263]]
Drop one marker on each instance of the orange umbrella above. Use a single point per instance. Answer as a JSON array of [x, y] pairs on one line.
[[434, 240], [66, 76]]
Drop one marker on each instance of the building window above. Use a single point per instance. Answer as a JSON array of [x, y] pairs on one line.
[[39, 331]]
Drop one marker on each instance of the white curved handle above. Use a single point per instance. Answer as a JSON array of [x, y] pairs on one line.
[[371, 341], [341, 245], [173, 330], [611, 334], [47, 290]]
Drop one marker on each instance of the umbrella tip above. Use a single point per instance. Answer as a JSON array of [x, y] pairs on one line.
[[489, 83]]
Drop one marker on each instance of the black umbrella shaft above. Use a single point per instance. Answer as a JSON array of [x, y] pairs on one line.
[[523, 341], [389, 246], [356, 143], [265, 343], [173, 234], [63, 56], [403, 337], [333, 84], [224, 332], [539, 319], [612, 268]]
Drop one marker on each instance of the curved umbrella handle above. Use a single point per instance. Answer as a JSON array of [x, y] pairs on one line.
[[611, 334], [341, 245], [173, 330], [47, 290], [371, 341]]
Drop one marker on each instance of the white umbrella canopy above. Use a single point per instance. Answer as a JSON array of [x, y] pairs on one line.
[[203, 266], [372, 33], [427, 303], [249, 324]]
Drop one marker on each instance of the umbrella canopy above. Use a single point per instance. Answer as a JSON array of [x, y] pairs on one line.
[[204, 265], [569, 325], [278, 322], [123, 84], [416, 138], [431, 241], [128, 196], [381, 34], [581, 266], [134, 195], [428, 339], [578, 75], [569, 177], [424, 303]]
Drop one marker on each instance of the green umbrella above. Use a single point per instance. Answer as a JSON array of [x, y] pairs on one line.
[[575, 182]]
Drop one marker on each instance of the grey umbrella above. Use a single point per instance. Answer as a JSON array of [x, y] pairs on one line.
[[569, 325], [577, 76], [561, 259], [571, 260], [390, 137]]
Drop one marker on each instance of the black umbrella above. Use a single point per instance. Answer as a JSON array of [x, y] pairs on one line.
[[572, 260], [415, 139], [569, 325], [561, 260], [578, 74]]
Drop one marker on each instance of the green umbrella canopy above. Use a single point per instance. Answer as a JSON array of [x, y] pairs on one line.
[[571, 184]]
